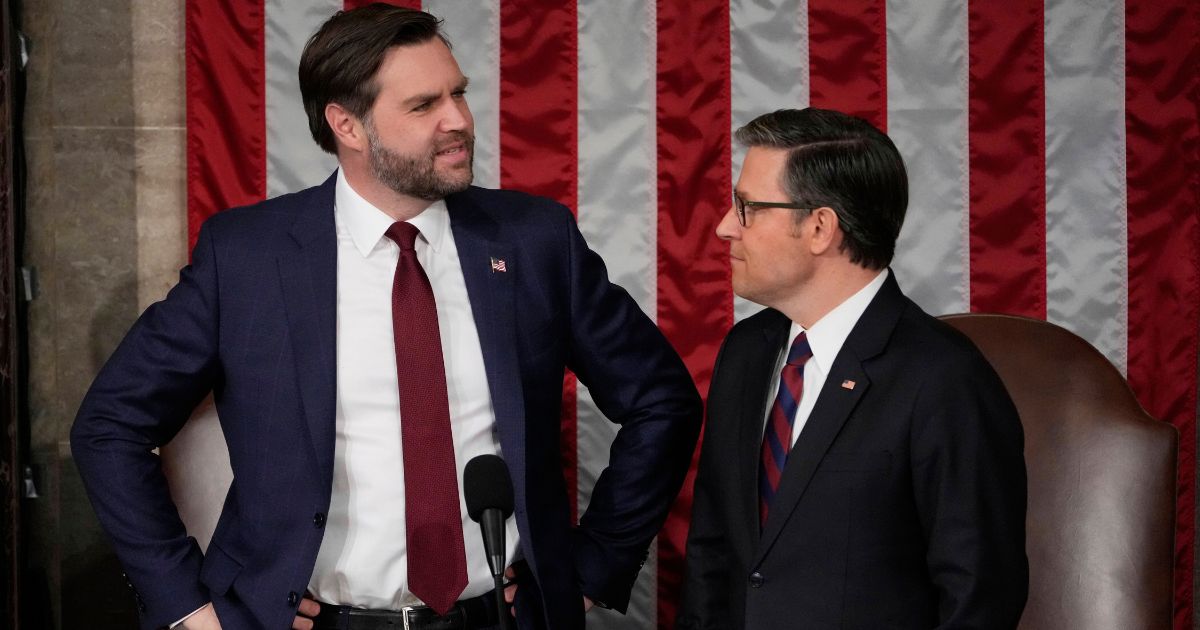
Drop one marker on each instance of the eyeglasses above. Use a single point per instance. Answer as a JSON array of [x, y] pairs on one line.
[[740, 205]]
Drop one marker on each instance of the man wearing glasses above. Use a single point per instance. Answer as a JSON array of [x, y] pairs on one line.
[[862, 463]]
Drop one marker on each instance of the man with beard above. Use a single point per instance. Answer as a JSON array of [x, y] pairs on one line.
[[362, 342]]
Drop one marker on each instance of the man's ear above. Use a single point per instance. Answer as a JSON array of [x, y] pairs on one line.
[[347, 129], [825, 233]]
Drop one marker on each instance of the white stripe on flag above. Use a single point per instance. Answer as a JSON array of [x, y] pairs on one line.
[[294, 161], [769, 70], [927, 119], [618, 200], [474, 31], [618, 205], [1086, 242]]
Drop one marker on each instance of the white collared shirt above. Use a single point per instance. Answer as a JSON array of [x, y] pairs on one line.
[[362, 561], [826, 338]]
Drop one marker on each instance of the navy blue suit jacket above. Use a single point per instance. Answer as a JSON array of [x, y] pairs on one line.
[[253, 320], [902, 503]]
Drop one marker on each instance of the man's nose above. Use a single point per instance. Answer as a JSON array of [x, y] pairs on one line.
[[728, 228], [456, 116]]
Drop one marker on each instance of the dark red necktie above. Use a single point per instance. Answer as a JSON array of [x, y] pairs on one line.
[[777, 438], [437, 560]]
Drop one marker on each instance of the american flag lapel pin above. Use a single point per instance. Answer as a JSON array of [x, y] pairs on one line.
[[848, 384], [498, 265]]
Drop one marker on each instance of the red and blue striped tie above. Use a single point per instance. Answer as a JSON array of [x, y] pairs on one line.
[[777, 439]]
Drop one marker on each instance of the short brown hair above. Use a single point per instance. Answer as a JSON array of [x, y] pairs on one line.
[[340, 60], [844, 163]]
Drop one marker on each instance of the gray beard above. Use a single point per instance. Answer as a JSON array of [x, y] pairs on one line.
[[416, 176]]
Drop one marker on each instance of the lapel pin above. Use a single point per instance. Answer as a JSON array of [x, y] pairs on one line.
[[498, 265], [848, 384]]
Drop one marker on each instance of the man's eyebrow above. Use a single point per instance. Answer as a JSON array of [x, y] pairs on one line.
[[417, 99]]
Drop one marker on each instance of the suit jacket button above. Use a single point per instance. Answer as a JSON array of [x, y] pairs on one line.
[[293, 598], [757, 579], [319, 520]]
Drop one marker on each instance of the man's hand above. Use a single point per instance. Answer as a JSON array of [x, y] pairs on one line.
[[203, 619], [510, 592], [308, 609], [510, 589]]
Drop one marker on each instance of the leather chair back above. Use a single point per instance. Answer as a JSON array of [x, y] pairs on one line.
[[1101, 520]]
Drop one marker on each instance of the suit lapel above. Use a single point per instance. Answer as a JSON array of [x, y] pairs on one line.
[[308, 275], [759, 376], [834, 405], [491, 292]]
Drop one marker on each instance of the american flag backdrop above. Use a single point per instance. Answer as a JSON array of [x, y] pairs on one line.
[[1052, 148]]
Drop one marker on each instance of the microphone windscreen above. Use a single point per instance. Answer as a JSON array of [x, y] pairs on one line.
[[487, 485]]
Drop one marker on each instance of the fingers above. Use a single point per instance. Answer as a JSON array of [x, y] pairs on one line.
[[308, 608], [510, 594], [510, 591]]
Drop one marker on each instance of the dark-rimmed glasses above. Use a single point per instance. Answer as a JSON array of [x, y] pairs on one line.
[[740, 205]]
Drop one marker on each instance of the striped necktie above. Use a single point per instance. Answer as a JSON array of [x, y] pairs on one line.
[[777, 438]]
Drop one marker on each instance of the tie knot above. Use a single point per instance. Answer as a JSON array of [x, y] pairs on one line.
[[800, 352], [404, 234]]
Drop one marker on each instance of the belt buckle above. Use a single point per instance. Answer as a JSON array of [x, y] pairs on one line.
[[404, 614]]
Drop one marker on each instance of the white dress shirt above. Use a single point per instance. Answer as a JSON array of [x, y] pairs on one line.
[[362, 561], [825, 338]]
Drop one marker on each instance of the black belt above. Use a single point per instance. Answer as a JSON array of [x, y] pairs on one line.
[[467, 614]]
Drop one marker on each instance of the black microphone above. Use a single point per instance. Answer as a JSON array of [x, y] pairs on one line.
[[488, 490]]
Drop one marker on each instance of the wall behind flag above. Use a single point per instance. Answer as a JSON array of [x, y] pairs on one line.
[[1052, 147]]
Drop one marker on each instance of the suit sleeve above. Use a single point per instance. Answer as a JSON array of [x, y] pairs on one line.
[[706, 585], [141, 398], [969, 485], [638, 381]]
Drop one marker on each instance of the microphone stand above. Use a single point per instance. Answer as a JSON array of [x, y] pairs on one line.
[[492, 525], [501, 605]]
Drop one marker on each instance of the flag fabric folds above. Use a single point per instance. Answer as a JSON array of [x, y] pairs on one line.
[[1052, 148]]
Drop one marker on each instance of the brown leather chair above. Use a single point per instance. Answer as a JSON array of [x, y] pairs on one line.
[[1101, 521]]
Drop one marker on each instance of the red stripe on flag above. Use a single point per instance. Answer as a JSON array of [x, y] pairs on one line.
[[354, 4], [847, 52], [539, 135], [226, 116], [695, 304], [1162, 95], [1007, 138]]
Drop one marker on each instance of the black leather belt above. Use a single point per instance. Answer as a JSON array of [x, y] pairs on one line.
[[467, 614]]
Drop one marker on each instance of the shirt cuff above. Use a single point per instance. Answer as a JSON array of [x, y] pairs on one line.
[[189, 616]]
